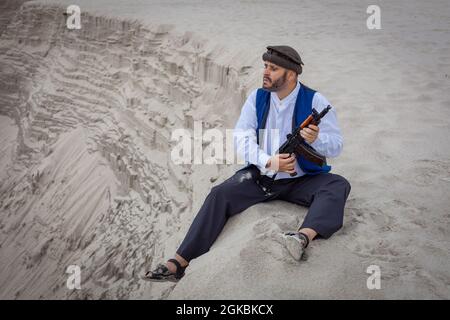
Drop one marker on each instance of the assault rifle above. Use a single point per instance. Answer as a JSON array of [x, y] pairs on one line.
[[296, 144]]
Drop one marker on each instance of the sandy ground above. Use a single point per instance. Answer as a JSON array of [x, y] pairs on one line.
[[87, 116]]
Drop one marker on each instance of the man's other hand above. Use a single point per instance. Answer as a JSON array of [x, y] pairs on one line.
[[282, 163]]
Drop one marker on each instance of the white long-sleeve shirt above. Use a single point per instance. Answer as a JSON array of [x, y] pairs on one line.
[[279, 123]]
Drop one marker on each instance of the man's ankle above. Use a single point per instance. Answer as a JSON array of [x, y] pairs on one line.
[[172, 266], [310, 233], [181, 260]]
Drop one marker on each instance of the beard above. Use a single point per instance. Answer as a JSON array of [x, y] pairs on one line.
[[275, 85]]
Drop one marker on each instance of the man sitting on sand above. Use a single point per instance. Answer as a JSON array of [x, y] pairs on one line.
[[289, 102]]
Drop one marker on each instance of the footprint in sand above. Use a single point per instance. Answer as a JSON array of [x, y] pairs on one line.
[[373, 228], [428, 172]]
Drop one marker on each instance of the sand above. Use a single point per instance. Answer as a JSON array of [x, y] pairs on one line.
[[86, 118]]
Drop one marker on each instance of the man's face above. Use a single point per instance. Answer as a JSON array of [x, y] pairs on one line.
[[275, 77]]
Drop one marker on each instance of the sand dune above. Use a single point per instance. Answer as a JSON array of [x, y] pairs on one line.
[[86, 118]]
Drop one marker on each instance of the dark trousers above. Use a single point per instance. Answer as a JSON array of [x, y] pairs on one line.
[[325, 195]]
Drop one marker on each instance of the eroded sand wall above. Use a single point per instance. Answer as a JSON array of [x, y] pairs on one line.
[[94, 110]]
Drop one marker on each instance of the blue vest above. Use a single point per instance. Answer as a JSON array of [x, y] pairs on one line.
[[303, 108]]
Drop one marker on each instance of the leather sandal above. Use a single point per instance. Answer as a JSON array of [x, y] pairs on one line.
[[161, 273]]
